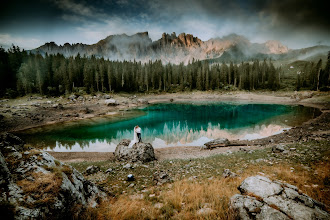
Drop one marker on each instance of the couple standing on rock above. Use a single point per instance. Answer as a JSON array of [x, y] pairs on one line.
[[137, 136]]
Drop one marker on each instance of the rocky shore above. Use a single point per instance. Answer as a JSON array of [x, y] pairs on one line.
[[174, 182], [28, 112]]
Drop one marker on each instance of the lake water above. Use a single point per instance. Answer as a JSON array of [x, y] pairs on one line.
[[166, 125]]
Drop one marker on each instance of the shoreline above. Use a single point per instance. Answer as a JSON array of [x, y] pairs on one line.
[[99, 110], [78, 111]]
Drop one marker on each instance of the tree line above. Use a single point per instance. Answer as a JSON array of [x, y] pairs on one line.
[[312, 76], [23, 73]]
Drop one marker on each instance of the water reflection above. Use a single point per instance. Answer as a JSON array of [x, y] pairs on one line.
[[166, 125]]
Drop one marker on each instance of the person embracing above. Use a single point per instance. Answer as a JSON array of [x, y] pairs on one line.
[[138, 133]]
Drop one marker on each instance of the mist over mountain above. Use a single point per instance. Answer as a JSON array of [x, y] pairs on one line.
[[181, 48]]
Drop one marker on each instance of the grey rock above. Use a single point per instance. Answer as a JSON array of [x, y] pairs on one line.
[[106, 96], [220, 142], [111, 102], [268, 213], [260, 186], [278, 148], [143, 152], [128, 166], [266, 199], [237, 204], [68, 188], [161, 177], [110, 170], [92, 169], [227, 173]]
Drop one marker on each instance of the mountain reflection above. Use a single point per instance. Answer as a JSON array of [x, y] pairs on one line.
[[166, 125]]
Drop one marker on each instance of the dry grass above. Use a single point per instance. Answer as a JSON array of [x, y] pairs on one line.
[[43, 189], [307, 168], [183, 199], [43, 183]]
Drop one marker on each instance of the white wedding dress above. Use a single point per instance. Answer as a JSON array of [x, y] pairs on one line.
[[135, 139]]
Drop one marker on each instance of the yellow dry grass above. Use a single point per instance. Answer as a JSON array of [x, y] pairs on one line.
[[43, 183], [183, 199]]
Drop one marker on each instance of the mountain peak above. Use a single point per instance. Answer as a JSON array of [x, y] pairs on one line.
[[182, 40], [169, 48], [142, 34], [276, 47]]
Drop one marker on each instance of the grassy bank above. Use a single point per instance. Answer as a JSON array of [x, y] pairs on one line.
[[198, 189]]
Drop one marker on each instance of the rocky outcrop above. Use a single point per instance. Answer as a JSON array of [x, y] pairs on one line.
[[275, 47], [262, 198], [33, 185], [220, 142], [169, 48], [143, 152], [279, 148]]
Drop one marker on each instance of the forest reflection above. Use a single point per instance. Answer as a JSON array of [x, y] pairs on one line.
[[166, 125]]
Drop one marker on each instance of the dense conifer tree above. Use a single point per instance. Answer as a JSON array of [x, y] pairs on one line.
[[55, 75]]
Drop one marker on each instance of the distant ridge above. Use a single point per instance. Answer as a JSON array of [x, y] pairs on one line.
[[180, 48]]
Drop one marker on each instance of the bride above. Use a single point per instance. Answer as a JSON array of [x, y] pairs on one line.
[[135, 138]]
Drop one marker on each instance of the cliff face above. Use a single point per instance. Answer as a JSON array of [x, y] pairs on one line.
[[34, 185], [169, 48]]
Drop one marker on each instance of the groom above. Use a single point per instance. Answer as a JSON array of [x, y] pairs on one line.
[[138, 132]]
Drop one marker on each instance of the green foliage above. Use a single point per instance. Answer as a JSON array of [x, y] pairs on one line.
[[22, 73]]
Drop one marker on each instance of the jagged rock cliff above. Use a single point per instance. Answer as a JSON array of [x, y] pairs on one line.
[[169, 48]]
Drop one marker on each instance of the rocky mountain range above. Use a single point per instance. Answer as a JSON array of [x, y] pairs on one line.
[[177, 49]]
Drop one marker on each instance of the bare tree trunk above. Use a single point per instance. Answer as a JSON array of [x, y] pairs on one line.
[[318, 80]]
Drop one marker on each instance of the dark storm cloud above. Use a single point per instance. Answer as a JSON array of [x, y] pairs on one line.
[[296, 23], [301, 13]]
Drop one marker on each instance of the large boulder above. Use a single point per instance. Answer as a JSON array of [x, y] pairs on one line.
[[279, 148], [143, 152], [33, 185], [111, 102], [262, 198]]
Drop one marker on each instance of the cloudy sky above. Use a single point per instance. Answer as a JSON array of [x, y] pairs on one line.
[[296, 23]]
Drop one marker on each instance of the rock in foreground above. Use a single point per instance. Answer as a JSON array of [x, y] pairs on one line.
[[265, 199], [143, 152], [33, 185]]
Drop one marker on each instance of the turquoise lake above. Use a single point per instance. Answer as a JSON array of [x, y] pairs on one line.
[[165, 125]]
